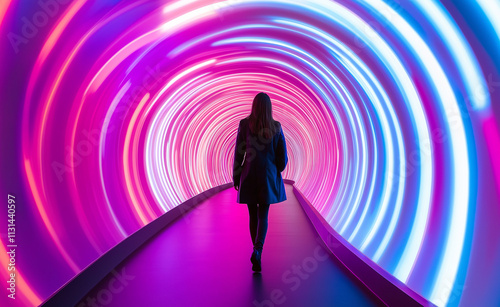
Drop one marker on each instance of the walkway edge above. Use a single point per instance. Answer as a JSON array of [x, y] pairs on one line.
[[76, 288], [386, 287]]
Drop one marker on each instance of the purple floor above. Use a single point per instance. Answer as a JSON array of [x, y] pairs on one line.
[[203, 259]]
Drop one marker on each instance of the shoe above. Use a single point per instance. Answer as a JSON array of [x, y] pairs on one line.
[[256, 260]]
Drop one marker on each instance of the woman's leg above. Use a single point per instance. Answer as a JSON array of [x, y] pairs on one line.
[[262, 214], [252, 212]]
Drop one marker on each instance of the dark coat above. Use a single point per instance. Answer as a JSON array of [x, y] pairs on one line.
[[257, 167]]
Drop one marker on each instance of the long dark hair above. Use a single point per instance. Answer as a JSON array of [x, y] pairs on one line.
[[261, 120]]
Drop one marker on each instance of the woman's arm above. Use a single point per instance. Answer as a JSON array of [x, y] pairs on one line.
[[239, 152], [281, 154]]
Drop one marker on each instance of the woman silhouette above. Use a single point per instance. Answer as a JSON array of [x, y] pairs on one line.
[[259, 158]]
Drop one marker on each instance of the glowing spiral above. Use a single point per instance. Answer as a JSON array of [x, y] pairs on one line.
[[131, 108]]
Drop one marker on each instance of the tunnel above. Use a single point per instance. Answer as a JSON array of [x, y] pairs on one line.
[[119, 122]]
